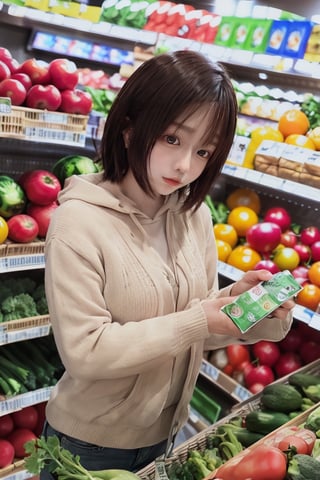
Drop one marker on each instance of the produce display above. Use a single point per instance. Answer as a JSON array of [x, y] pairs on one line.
[[258, 365], [41, 85], [252, 237], [21, 297], [25, 367], [16, 429]]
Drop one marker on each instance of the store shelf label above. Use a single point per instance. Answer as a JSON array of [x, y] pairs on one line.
[[5, 105], [19, 262], [210, 370], [24, 334], [241, 392], [25, 400], [20, 475]]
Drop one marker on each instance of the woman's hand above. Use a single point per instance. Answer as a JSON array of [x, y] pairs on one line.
[[249, 280], [220, 323]]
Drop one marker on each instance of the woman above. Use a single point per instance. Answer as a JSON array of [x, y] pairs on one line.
[[131, 267]]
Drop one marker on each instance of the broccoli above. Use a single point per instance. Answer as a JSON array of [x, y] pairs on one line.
[[12, 197], [303, 467], [4, 292], [18, 306], [39, 292], [42, 306]]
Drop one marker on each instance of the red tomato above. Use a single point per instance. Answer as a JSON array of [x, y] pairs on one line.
[[266, 352], [309, 235], [309, 351], [256, 388], [288, 362], [262, 463], [288, 238], [22, 228], [294, 443], [308, 436], [6, 453], [280, 216], [18, 438], [263, 236], [26, 417], [237, 354], [259, 374], [6, 425], [292, 341]]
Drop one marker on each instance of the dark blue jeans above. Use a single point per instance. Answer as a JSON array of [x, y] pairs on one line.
[[93, 457]]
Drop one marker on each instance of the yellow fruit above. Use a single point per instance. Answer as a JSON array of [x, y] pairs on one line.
[[4, 230], [266, 133], [242, 218], [226, 232], [300, 141], [244, 197], [314, 135], [224, 249]]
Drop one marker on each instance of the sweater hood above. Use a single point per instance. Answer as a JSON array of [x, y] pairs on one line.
[[94, 190]]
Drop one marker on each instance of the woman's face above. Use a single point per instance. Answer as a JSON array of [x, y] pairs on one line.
[[180, 155]]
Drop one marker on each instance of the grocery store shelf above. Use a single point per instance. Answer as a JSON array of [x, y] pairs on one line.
[[115, 35], [287, 187], [24, 329], [17, 402]]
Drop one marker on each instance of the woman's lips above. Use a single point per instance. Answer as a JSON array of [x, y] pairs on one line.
[[172, 181]]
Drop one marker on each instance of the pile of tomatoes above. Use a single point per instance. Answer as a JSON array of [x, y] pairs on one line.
[[16, 429], [248, 240], [255, 366]]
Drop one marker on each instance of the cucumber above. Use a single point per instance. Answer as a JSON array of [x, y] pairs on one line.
[[281, 398], [73, 165], [303, 379], [265, 422]]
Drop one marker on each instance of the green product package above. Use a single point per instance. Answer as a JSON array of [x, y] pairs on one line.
[[241, 32], [225, 31], [257, 39], [255, 304]]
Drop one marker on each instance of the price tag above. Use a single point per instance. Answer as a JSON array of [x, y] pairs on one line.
[[19, 262], [254, 176], [26, 334], [228, 271], [24, 400], [241, 56], [5, 105], [102, 27], [160, 469], [270, 181], [210, 370], [147, 37], [20, 475], [125, 33], [215, 52], [241, 392]]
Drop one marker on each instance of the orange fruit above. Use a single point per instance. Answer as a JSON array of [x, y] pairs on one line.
[[224, 249], [314, 273], [314, 135], [244, 258], [309, 296], [244, 197], [293, 121], [226, 232], [300, 141], [242, 218]]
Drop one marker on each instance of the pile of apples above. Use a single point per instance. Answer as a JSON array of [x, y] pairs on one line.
[[41, 85]]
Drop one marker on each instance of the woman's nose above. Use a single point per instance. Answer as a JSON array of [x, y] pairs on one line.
[[183, 163]]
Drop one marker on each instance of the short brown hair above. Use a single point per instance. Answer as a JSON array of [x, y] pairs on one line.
[[159, 91]]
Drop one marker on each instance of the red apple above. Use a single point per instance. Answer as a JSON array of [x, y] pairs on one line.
[[76, 102], [42, 214], [13, 89], [304, 252], [63, 73], [44, 97], [5, 54], [4, 71], [23, 78], [40, 186], [309, 235], [37, 70], [22, 228]]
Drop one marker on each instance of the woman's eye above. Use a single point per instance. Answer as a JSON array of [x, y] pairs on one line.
[[172, 139], [203, 153]]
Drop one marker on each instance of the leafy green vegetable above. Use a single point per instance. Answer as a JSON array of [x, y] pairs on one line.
[[219, 211], [12, 197], [303, 467], [18, 306], [48, 453]]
